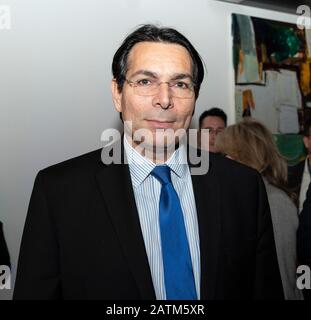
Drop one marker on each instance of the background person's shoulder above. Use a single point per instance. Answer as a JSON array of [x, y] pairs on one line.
[[232, 169]]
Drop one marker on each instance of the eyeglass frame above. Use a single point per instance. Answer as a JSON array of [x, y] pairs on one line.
[[134, 84], [216, 131]]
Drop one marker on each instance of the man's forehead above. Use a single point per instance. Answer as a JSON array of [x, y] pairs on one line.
[[213, 121], [145, 55], [157, 45]]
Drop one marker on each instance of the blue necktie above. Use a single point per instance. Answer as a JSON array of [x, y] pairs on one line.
[[178, 273]]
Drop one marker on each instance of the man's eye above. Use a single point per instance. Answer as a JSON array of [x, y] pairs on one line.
[[143, 82], [182, 85]]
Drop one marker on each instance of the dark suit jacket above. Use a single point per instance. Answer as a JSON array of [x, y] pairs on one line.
[[82, 237], [295, 177], [304, 232], [4, 253], [304, 237]]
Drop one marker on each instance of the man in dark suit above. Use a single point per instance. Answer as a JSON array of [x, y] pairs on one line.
[[299, 174], [304, 237], [149, 228], [4, 253]]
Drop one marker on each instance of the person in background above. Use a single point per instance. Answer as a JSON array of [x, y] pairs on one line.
[[299, 175], [304, 237], [250, 143], [215, 120], [4, 253]]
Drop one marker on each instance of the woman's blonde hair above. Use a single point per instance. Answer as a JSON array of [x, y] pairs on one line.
[[251, 143]]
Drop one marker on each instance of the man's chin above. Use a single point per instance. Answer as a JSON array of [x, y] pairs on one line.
[[213, 150], [157, 146], [157, 151]]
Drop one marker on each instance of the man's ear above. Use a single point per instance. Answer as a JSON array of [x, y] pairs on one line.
[[116, 95]]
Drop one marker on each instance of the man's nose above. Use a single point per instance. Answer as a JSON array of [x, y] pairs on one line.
[[163, 97], [212, 137]]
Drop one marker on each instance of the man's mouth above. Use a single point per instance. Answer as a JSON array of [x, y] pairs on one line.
[[160, 124]]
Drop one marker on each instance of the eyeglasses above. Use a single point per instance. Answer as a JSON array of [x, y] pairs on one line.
[[150, 87], [216, 131]]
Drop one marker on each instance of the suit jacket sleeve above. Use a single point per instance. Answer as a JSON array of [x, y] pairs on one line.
[[38, 248], [268, 283], [304, 232]]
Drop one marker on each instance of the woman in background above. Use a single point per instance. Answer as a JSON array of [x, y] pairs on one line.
[[251, 143]]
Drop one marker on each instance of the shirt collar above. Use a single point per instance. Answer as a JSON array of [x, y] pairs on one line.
[[141, 167]]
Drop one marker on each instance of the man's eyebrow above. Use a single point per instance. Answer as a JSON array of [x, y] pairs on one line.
[[209, 127], [145, 73], [177, 76], [181, 76]]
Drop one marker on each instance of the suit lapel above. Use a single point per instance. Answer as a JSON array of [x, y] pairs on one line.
[[207, 196], [116, 188]]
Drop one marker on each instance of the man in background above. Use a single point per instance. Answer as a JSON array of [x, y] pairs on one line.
[[4, 253], [299, 175], [304, 237], [215, 120]]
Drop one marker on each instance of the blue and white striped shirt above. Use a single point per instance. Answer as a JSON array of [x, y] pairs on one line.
[[147, 191]]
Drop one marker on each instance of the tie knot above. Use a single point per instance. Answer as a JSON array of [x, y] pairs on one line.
[[162, 173]]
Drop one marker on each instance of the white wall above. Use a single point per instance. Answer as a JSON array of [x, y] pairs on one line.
[[55, 67]]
